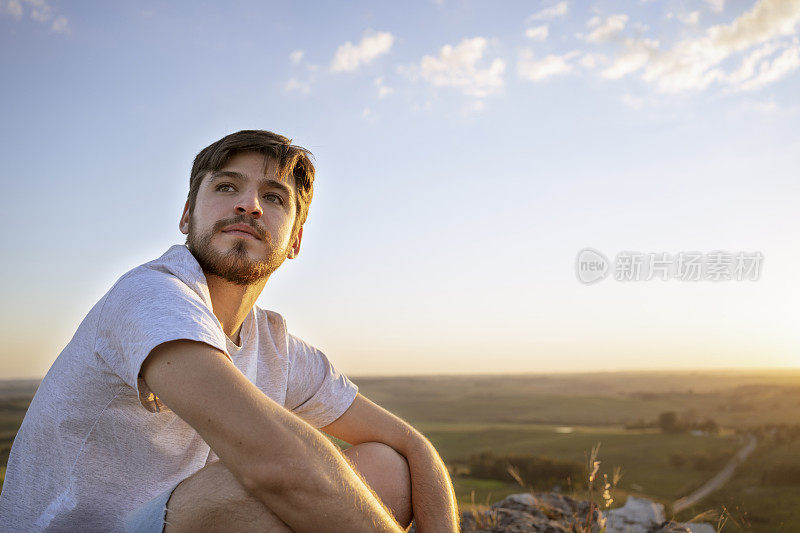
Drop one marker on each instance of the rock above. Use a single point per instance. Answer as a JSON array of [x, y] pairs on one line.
[[551, 512], [637, 516], [640, 515]]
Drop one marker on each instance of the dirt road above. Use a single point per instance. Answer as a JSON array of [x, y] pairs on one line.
[[717, 481]]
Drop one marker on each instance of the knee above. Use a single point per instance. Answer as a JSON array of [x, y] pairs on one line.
[[373, 456], [387, 473]]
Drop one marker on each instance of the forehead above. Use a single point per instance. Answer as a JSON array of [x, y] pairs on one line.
[[255, 165]]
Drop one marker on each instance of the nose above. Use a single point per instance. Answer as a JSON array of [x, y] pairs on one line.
[[248, 203]]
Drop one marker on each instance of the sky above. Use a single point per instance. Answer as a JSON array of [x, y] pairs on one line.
[[466, 153]]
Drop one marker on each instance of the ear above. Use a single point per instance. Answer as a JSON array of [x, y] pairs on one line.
[[183, 224], [295, 249]]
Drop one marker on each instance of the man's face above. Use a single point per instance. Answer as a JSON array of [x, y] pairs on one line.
[[263, 206]]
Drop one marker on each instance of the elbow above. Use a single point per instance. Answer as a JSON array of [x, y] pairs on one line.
[[292, 480], [263, 480]]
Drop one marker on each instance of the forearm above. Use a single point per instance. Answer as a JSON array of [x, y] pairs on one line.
[[275, 455], [319, 491], [433, 499]]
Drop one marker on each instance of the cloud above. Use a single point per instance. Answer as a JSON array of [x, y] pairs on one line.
[[717, 6], [606, 29], [690, 19], [40, 11], [296, 56], [590, 61], [349, 56], [12, 7], [771, 71], [458, 66], [694, 64], [558, 10], [636, 55], [535, 70], [60, 25], [297, 86], [747, 68], [383, 90], [538, 33]]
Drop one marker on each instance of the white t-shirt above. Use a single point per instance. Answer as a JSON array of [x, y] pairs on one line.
[[96, 443]]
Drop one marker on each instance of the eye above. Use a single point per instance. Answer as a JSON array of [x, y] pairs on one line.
[[274, 198], [222, 185]]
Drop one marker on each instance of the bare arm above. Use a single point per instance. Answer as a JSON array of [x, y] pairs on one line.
[[432, 496], [276, 456], [433, 499]]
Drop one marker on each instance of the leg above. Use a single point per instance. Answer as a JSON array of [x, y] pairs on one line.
[[386, 472], [213, 500]]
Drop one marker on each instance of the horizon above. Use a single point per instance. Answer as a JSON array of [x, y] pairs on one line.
[[751, 371], [488, 182]]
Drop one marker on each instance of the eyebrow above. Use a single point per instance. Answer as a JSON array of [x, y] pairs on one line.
[[269, 182]]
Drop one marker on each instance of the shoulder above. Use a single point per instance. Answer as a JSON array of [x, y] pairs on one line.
[[156, 297], [270, 321], [271, 324], [147, 286], [174, 274]]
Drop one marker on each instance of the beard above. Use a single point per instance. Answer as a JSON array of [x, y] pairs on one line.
[[235, 264]]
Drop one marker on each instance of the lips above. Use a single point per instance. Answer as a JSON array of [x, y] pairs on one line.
[[242, 228]]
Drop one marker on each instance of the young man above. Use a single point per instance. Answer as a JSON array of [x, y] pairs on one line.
[[180, 405]]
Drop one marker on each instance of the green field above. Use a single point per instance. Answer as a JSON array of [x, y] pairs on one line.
[[753, 505], [643, 457], [563, 416]]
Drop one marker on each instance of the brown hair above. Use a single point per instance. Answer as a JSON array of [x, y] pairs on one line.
[[291, 159]]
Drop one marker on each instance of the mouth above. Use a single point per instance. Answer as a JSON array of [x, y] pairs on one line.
[[241, 230]]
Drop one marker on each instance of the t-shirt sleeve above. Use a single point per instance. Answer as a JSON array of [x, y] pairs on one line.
[[316, 391], [143, 310]]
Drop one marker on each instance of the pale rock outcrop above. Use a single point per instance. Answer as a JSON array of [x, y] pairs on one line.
[[556, 513]]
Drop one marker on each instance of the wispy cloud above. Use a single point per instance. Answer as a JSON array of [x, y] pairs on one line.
[[297, 86], [537, 33], [590, 61], [604, 30], [637, 52], [717, 6], [296, 56], [532, 69], [11, 7], [771, 71], [696, 63], [460, 67], [350, 57], [383, 89], [549, 13], [40, 11], [690, 19], [60, 25]]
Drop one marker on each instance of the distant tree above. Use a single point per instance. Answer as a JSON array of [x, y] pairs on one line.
[[710, 426], [668, 422], [539, 472]]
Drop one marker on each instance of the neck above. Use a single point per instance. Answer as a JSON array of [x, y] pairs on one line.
[[231, 303]]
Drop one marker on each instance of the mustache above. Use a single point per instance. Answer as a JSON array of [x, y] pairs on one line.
[[240, 220]]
